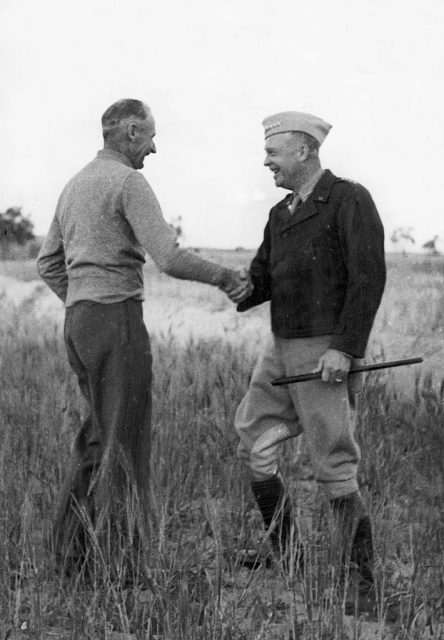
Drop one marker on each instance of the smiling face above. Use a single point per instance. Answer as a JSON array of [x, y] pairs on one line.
[[285, 157], [141, 140]]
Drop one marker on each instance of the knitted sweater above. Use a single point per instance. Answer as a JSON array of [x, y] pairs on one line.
[[106, 217]]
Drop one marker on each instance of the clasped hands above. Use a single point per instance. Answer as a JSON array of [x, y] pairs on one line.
[[237, 285]]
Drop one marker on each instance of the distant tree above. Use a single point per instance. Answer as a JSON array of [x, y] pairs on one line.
[[16, 230], [403, 237], [431, 247], [15, 227]]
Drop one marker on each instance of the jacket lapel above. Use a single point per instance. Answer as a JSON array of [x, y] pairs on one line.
[[310, 207], [304, 211]]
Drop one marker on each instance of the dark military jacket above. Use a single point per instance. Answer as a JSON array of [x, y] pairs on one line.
[[323, 267]]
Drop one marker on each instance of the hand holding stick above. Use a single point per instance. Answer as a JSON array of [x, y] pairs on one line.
[[304, 377]]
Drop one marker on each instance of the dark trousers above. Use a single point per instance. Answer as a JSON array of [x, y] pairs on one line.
[[109, 351]]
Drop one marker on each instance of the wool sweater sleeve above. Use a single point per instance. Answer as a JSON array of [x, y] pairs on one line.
[[51, 264], [144, 214]]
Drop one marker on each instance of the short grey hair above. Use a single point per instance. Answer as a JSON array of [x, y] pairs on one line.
[[306, 138], [121, 110]]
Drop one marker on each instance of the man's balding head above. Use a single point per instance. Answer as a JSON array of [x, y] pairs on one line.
[[129, 128], [121, 111]]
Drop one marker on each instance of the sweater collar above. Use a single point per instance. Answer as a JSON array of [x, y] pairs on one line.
[[111, 154]]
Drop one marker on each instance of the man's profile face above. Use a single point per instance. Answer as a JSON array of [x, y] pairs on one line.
[[281, 158], [143, 144]]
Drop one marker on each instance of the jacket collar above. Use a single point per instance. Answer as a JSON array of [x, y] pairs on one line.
[[311, 206], [307, 188], [321, 192]]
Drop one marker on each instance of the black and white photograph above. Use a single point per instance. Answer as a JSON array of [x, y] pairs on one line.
[[222, 320]]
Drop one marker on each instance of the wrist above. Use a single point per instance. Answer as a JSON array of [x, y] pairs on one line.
[[223, 278]]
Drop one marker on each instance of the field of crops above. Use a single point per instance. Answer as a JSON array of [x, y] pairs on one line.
[[202, 509]]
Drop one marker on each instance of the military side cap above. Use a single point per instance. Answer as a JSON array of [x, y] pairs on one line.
[[296, 121]]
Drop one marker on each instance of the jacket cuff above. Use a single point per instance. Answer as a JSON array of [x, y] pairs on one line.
[[248, 303], [352, 348]]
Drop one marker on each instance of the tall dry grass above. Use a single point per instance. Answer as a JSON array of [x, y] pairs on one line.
[[190, 584]]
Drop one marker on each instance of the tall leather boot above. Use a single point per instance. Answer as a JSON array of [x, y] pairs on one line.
[[275, 508], [357, 556]]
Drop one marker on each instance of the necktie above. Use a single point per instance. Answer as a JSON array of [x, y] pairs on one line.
[[295, 200]]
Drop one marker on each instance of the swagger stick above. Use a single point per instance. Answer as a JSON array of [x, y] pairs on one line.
[[365, 367]]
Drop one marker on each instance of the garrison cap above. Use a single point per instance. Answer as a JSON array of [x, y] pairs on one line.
[[296, 121]]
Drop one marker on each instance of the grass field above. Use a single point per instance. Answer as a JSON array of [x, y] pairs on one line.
[[202, 510]]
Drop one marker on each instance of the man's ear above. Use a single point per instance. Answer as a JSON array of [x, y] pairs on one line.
[[131, 131], [304, 152]]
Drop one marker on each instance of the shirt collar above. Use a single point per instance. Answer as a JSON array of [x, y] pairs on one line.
[[111, 154], [308, 186]]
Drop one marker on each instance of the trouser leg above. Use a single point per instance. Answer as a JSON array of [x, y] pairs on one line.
[[108, 349], [328, 420], [326, 416], [265, 420], [268, 416], [76, 510]]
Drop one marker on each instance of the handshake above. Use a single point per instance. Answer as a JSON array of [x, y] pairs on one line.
[[236, 284]]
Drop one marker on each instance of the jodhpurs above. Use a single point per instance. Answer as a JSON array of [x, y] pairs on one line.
[[270, 415]]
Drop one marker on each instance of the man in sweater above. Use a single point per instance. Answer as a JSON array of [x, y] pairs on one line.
[[321, 263], [92, 258]]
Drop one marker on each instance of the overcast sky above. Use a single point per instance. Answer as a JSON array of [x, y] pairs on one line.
[[211, 70]]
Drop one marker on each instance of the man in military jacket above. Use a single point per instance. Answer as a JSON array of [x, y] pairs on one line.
[[321, 264]]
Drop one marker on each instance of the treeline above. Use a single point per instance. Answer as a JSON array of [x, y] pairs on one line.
[[17, 238]]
